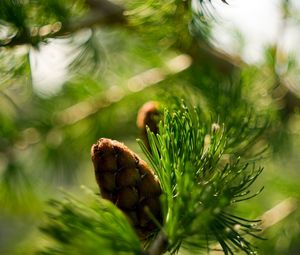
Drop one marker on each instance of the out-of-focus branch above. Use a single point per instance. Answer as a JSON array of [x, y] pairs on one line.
[[210, 57], [102, 12], [270, 218], [139, 82], [278, 212], [287, 97]]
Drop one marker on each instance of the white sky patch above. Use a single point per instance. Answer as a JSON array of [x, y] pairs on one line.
[[257, 21], [48, 65]]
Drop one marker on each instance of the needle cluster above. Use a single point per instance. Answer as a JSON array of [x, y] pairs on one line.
[[200, 183]]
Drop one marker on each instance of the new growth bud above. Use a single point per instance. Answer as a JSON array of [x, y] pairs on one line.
[[148, 116], [215, 127]]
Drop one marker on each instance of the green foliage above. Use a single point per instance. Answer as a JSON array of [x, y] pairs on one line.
[[170, 13], [12, 11], [45, 138], [200, 186], [24, 17], [186, 16], [13, 68], [27, 23], [90, 227]]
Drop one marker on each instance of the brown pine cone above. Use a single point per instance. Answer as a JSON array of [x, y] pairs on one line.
[[128, 182], [148, 115]]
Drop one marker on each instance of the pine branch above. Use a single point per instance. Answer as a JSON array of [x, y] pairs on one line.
[[89, 227], [159, 245], [185, 160], [186, 155], [137, 83], [102, 12]]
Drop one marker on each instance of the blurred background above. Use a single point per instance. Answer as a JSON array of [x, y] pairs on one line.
[[74, 71]]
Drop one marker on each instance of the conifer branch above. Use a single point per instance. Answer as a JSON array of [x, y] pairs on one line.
[[137, 83], [159, 245], [102, 12], [185, 160]]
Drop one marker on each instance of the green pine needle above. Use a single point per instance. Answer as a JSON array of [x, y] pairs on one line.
[[94, 227], [199, 184]]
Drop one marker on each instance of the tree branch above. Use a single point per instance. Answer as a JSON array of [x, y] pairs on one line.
[[159, 245], [139, 82], [102, 12]]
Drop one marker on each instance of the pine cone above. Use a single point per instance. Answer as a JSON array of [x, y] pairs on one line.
[[128, 182], [148, 115]]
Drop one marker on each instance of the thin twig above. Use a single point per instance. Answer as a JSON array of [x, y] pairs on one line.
[[139, 82], [278, 212], [159, 245]]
